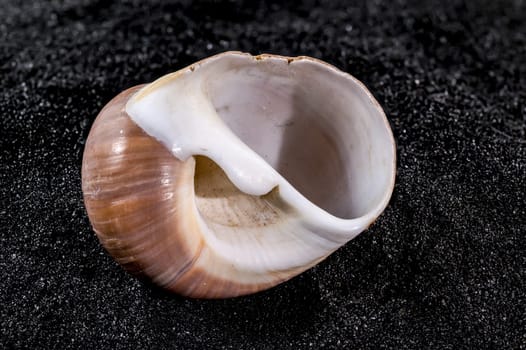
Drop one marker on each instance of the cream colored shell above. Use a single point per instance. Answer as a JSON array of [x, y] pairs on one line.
[[236, 173]]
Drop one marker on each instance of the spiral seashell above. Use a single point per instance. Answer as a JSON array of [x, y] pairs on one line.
[[236, 173]]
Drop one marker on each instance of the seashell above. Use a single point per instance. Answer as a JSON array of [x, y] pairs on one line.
[[236, 173]]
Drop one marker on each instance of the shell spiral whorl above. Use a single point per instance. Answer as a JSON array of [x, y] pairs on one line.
[[136, 194]]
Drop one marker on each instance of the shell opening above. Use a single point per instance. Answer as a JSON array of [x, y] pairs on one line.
[[314, 125]]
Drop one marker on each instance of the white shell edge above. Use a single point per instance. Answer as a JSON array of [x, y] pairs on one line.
[[196, 129]]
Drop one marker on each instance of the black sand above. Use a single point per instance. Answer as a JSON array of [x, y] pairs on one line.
[[443, 268]]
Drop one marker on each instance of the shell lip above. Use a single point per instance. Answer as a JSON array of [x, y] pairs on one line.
[[313, 215]]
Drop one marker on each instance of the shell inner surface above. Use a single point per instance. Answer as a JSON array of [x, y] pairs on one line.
[[274, 121]]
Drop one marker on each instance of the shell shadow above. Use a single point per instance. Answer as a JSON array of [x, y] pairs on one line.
[[288, 310], [310, 160]]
